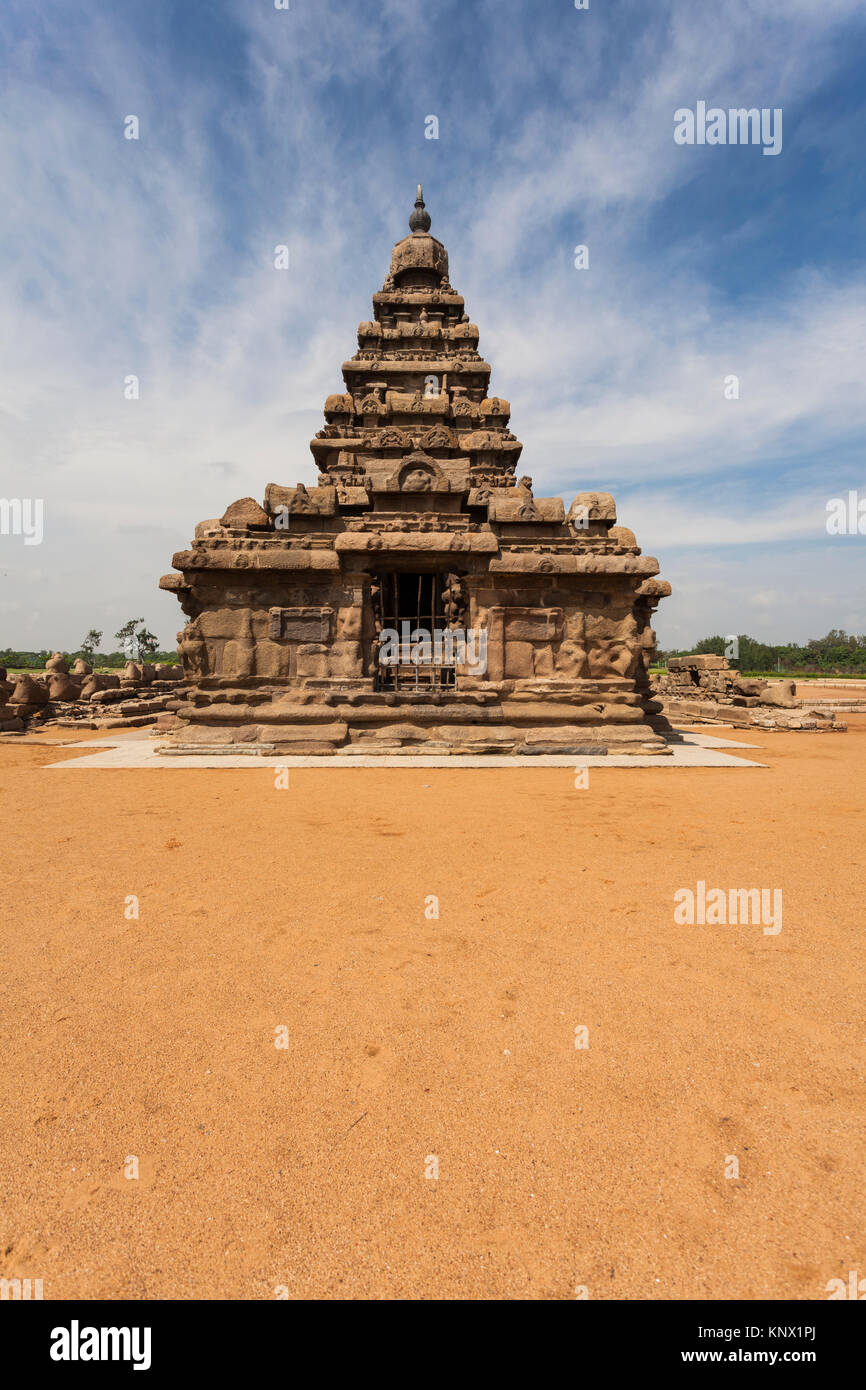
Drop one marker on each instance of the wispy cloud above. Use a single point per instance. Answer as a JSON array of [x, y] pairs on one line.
[[306, 127]]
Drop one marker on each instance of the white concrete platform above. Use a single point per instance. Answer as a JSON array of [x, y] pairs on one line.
[[138, 749]]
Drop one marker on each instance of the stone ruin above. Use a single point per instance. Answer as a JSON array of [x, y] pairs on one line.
[[78, 697], [708, 690], [420, 596]]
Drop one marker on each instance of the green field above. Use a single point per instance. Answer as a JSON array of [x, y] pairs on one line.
[[818, 676]]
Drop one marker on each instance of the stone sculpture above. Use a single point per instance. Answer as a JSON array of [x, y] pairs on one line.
[[417, 524]]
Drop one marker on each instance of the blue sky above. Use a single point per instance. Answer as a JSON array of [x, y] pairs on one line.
[[307, 127]]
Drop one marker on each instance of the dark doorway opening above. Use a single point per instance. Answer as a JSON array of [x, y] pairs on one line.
[[407, 603], [412, 598]]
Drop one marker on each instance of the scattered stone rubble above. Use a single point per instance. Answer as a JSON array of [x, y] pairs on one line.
[[81, 698], [707, 690]]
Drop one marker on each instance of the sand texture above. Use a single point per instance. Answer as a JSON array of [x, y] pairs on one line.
[[418, 1044]]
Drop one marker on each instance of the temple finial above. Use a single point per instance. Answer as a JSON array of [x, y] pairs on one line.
[[419, 220]]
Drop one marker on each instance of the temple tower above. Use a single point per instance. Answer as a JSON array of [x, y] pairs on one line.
[[519, 626]]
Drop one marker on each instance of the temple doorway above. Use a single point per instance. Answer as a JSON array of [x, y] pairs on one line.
[[412, 598], [407, 603]]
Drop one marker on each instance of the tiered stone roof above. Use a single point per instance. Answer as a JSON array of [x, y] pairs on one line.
[[417, 382]]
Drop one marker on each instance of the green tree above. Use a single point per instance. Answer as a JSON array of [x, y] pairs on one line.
[[91, 642], [126, 636], [146, 642], [711, 646]]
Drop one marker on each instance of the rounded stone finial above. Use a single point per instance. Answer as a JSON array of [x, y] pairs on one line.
[[419, 220]]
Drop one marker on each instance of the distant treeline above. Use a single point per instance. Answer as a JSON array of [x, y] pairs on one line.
[[838, 652], [35, 661]]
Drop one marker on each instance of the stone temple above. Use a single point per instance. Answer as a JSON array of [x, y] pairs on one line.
[[419, 598]]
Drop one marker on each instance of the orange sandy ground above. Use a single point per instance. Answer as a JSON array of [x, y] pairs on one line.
[[411, 1037], [807, 690]]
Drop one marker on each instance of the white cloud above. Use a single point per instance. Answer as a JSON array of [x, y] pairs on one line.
[[155, 257]]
